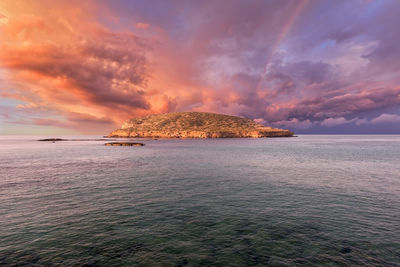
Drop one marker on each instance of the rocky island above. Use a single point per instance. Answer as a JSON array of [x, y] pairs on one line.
[[196, 125], [123, 144]]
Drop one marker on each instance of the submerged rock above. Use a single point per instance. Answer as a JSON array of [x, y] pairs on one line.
[[123, 144]]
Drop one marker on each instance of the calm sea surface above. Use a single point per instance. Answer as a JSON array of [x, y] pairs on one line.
[[310, 200]]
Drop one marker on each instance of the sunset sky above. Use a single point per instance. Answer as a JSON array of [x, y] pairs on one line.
[[312, 66]]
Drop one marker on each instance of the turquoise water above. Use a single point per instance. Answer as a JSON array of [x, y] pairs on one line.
[[310, 200]]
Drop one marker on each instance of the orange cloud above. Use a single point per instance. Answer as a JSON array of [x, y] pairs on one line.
[[3, 19], [83, 65], [141, 25], [67, 62]]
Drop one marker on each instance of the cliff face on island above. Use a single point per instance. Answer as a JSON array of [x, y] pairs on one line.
[[196, 125]]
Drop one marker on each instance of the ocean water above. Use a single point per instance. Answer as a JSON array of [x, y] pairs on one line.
[[310, 200]]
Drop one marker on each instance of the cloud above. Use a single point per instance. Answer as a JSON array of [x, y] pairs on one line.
[[294, 123], [381, 119], [386, 118], [68, 63], [104, 68], [3, 19], [335, 121], [350, 102], [274, 61], [76, 120], [141, 25], [260, 120]]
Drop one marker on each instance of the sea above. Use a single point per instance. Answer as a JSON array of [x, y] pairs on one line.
[[331, 200]]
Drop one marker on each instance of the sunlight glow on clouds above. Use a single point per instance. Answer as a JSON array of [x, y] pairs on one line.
[[306, 65]]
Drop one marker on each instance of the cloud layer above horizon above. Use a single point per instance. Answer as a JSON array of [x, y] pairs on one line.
[[308, 65]]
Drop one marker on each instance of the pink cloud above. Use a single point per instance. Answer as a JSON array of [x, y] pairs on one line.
[[267, 60], [142, 25], [386, 118], [294, 123], [334, 121]]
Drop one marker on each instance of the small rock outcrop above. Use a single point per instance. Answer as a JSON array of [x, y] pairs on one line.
[[196, 125], [123, 144], [52, 140]]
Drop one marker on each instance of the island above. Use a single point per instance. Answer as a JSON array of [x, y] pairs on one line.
[[196, 125]]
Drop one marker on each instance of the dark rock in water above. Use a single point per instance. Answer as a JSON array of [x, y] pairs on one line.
[[123, 144], [345, 250], [52, 139]]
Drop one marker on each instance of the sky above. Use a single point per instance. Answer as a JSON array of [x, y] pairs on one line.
[[311, 66]]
